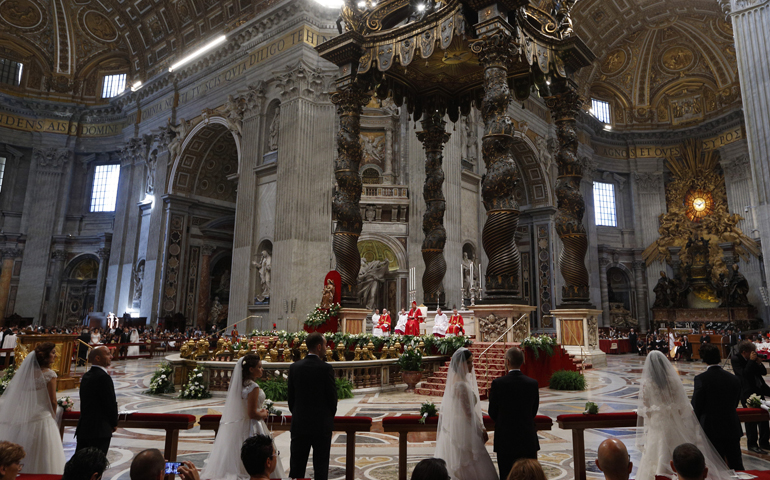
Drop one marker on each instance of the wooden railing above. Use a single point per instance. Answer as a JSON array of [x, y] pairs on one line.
[[349, 425], [172, 423], [5, 361], [579, 423], [411, 423]]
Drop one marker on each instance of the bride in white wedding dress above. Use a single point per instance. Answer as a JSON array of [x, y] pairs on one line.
[[27, 412], [666, 420], [133, 350], [244, 416], [461, 434]]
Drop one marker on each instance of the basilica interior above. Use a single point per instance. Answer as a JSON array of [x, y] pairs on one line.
[[211, 165]]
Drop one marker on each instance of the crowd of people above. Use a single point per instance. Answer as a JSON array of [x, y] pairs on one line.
[[408, 323]]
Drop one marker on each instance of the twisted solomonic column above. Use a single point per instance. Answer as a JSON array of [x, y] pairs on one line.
[[565, 106], [433, 138], [497, 187], [347, 196]]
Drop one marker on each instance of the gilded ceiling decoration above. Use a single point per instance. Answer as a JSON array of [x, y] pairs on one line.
[[660, 64], [698, 219], [67, 45]]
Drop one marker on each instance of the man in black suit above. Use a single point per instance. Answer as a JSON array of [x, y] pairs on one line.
[[513, 402], [98, 405], [85, 338], [632, 338], [732, 341], [685, 349], [748, 367], [714, 401], [125, 337], [704, 339], [313, 404]]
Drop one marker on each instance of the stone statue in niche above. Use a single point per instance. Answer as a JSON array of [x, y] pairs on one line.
[[665, 294], [466, 274], [593, 332], [546, 157], [275, 125], [370, 277], [224, 284], [264, 266], [180, 131], [470, 139], [373, 147], [152, 161], [215, 312], [737, 290], [138, 284], [621, 317]]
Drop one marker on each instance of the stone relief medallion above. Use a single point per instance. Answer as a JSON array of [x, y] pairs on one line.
[[614, 62], [21, 13], [100, 26], [677, 58]]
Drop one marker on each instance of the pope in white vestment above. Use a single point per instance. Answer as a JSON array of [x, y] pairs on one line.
[[440, 324]]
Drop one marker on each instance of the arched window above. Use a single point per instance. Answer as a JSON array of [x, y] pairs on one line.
[[371, 176]]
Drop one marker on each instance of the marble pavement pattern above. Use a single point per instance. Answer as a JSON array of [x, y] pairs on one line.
[[613, 388]]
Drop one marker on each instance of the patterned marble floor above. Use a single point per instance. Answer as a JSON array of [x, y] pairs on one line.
[[613, 388]]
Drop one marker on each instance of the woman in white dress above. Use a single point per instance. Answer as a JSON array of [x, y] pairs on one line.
[[28, 410], [667, 420], [133, 350], [95, 337], [244, 416], [461, 434]]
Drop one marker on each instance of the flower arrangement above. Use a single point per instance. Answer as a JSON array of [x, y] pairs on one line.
[[65, 403], [195, 388], [754, 401], [410, 361], [591, 409], [270, 406], [427, 409], [162, 380], [6, 378], [319, 315], [538, 343]]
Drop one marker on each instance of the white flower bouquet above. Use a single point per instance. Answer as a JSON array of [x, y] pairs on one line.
[[65, 403]]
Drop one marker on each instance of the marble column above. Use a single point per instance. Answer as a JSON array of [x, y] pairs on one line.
[[641, 296], [603, 263], [204, 285], [246, 109], [58, 257], [9, 256], [101, 277], [387, 175], [750, 20], [38, 222]]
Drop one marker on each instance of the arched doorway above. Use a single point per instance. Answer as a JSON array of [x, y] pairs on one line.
[[78, 289]]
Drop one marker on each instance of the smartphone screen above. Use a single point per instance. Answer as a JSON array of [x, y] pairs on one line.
[[172, 467]]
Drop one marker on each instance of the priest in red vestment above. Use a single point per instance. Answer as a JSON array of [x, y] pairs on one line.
[[382, 328], [414, 319], [456, 324]]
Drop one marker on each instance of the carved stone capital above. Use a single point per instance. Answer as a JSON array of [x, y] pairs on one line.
[[207, 250], [11, 253], [649, 182], [496, 50], [103, 253], [302, 81], [604, 262], [59, 255], [51, 158], [639, 266], [135, 150], [738, 167]]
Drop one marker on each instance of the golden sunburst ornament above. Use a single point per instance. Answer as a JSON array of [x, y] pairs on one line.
[[698, 204]]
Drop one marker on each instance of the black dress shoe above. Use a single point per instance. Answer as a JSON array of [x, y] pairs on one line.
[[757, 450], [765, 446]]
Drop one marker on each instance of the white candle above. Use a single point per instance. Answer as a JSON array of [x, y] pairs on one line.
[[471, 269], [461, 276]]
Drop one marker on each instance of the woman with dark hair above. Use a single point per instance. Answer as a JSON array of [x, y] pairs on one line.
[[28, 410], [430, 469], [244, 416]]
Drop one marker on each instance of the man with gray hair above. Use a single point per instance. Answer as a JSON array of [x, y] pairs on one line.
[[513, 402]]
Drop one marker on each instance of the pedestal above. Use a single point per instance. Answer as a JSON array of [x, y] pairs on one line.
[[25, 345], [492, 320], [577, 330], [353, 320]]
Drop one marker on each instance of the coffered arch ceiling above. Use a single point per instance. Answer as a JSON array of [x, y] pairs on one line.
[[68, 44], [660, 63], [203, 168]]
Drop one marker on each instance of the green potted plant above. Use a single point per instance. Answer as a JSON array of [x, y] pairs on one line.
[[410, 363]]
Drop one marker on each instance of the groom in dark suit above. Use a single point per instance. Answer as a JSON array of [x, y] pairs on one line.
[[714, 401], [513, 402], [98, 405], [313, 404]]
